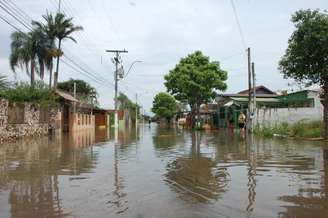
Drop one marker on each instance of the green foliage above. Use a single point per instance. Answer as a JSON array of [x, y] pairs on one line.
[[84, 90], [63, 29], [28, 50], [195, 80], [301, 129], [306, 57], [164, 106], [125, 103], [3, 83], [39, 93]]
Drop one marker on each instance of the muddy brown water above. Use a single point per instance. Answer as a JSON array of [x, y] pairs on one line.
[[157, 172]]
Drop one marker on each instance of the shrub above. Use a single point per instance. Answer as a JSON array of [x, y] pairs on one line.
[[301, 129], [39, 93]]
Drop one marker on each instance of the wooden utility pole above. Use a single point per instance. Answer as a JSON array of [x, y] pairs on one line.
[[254, 89], [116, 59], [74, 88], [136, 110], [249, 124]]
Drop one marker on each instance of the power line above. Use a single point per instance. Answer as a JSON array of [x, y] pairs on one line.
[[238, 24], [13, 15], [16, 9], [2, 18]]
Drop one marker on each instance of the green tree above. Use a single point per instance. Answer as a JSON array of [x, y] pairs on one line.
[[3, 83], [306, 57], [195, 80], [84, 90], [125, 103], [49, 31], [63, 29], [164, 106], [28, 50]]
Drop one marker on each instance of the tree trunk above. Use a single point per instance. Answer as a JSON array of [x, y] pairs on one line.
[[42, 71], [57, 67], [198, 115], [50, 76], [32, 72], [325, 110], [192, 116]]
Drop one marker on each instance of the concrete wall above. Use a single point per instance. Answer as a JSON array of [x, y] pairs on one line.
[[271, 116], [20, 120], [81, 121]]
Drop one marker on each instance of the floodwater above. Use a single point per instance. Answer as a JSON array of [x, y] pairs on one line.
[[157, 172]]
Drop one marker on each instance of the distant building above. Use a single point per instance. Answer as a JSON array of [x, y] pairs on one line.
[[270, 107]]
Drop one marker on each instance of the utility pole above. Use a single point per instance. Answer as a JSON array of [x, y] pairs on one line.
[[74, 88], [116, 59], [254, 92], [249, 89], [59, 5], [136, 110]]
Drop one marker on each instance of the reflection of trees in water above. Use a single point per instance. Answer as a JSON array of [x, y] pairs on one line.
[[31, 168], [167, 138], [196, 176], [310, 201]]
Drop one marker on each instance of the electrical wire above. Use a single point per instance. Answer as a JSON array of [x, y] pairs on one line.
[[238, 24]]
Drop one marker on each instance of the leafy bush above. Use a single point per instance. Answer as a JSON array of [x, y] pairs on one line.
[[39, 93]]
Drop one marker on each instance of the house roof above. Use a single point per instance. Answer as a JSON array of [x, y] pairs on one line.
[[246, 95], [258, 88], [66, 96], [257, 99]]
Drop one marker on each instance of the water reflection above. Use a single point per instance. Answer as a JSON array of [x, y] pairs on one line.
[[311, 200], [158, 172], [30, 169], [195, 175]]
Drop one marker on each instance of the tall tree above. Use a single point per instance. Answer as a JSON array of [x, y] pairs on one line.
[[64, 28], [125, 103], [28, 50], [49, 30], [164, 106], [3, 83], [306, 57], [195, 80]]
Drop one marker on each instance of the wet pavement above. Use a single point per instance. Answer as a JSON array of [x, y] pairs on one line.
[[157, 172]]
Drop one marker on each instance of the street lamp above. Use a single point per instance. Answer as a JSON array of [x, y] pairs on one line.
[[134, 62]]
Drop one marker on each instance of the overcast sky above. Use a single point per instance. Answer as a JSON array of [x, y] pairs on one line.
[[160, 32]]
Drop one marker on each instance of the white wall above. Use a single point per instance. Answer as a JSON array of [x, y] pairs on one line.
[[270, 116]]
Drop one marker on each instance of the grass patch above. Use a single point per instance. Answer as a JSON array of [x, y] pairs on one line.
[[301, 129]]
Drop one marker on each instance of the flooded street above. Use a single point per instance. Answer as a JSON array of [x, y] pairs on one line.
[[163, 173]]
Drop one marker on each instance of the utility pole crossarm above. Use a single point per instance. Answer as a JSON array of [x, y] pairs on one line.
[[118, 51], [117, 54]]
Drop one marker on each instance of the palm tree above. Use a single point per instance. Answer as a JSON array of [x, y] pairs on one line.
[[63, 30], [49, 30], [3, 83], [28, 50]]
